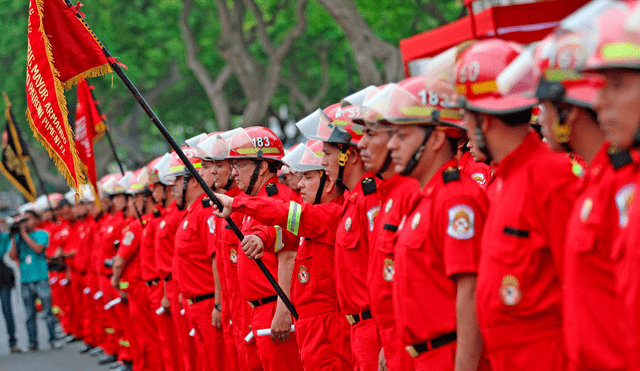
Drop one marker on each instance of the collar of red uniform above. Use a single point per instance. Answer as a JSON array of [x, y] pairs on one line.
[[437, 179], [233, 192], [197, 202], [386, 186], [263, 190], [518, 156], [351, 195]]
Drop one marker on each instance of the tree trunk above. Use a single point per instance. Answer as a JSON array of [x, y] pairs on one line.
[[367, 47]]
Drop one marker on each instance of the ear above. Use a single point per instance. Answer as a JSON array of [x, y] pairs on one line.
[[328, 187], [264, 167], [354, 155], [437, 140], [484, 123], [573, 115]]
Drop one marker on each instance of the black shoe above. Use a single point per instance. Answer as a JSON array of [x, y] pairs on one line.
[[116, 366], [107, 358], [15, 349], [85, 348], [33, 348], [96, 352]]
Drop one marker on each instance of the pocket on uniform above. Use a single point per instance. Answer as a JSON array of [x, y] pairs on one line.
[[585, 242], [511, 245]]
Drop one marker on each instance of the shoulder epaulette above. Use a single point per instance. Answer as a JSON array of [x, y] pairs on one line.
[[619, 159], [272, 189], [451, 174], [157, 213], [206, 202], [368, 186]]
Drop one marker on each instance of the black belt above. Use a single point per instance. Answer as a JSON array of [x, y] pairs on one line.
[[267, 300], [355, 318], [168, 278], [417, 349], [201, 298], [153, 282]]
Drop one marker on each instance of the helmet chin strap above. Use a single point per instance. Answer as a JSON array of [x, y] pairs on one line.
[[254, 178], [343, 157], [385, 165], [185, 182], [415, 158], [561, 129], [229, 183], [323, 180]]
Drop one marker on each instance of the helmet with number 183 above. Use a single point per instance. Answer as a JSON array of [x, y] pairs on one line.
[[255, 142]]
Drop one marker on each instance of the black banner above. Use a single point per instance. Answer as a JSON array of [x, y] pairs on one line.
[[15, 156]]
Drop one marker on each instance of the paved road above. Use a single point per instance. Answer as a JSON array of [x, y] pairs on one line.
[[65, 359]]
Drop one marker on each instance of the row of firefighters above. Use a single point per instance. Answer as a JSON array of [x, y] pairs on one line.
[[433, 226]]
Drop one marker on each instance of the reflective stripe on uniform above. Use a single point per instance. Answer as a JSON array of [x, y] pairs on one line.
[[293, 221], [278, 245]]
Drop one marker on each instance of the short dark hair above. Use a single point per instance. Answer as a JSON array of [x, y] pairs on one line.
[[274, 166], [33, 214], [516, 118], [63, 202]]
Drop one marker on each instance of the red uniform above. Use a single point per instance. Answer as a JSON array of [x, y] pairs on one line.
[[478, 171], [519, 278], [438, 239], [591, 321], [396, 194], [57, 239], [92, 331], [322, 331], [78, 266], [106, 334], [626, 257], [255, 287], [194, 236], [141, 311], [361, 206], [238, 308]]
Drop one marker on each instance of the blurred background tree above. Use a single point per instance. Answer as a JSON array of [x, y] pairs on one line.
[[210, 65]]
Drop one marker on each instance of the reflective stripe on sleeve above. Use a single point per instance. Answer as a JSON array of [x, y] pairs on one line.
[[293, 221]]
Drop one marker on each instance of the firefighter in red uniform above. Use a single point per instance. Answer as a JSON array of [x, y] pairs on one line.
[[165, 251], [167, 334], [437, 241], [192, 264], [396, 191], [127, 273], [236, 312], [255, 155], [321, 329], [114, 326], [519, 289], [619, 117], [592, 334]]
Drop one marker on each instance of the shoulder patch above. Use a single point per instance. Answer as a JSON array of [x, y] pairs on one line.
[[368, 186], [156, 213], [211, 222], [206, 202], [619, 158], [451, 174], [624, 198], [272, 189], [371, 215], [461, 222]]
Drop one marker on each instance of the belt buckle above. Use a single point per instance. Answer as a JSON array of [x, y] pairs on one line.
[[412, 351], [251, 304], [190, 301], [352, 320]]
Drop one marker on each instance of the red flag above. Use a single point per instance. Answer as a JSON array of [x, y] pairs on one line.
[[61, 52], [89, 129]]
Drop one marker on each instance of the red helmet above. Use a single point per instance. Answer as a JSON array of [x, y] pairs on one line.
[[110, 185], [305, 157], [54, 199], [476, 72], [177, 167], [334, 124], [613, 46], [135, 182], [255, 142]]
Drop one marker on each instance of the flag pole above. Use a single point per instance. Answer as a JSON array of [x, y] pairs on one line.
[[167, 136]]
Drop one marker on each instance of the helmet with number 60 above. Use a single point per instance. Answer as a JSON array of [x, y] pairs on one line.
[[476, 71], [255, 142]]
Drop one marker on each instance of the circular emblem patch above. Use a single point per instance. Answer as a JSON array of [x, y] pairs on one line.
[[211, 222], [347, 224], [128, 238], [162, 224], [185, 224], [479, 178], [303, 274], [510, 293], [461, 219], [416, 221], [233, 256], [586, 208], [388, 206], [624, 198], [388, 270]]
